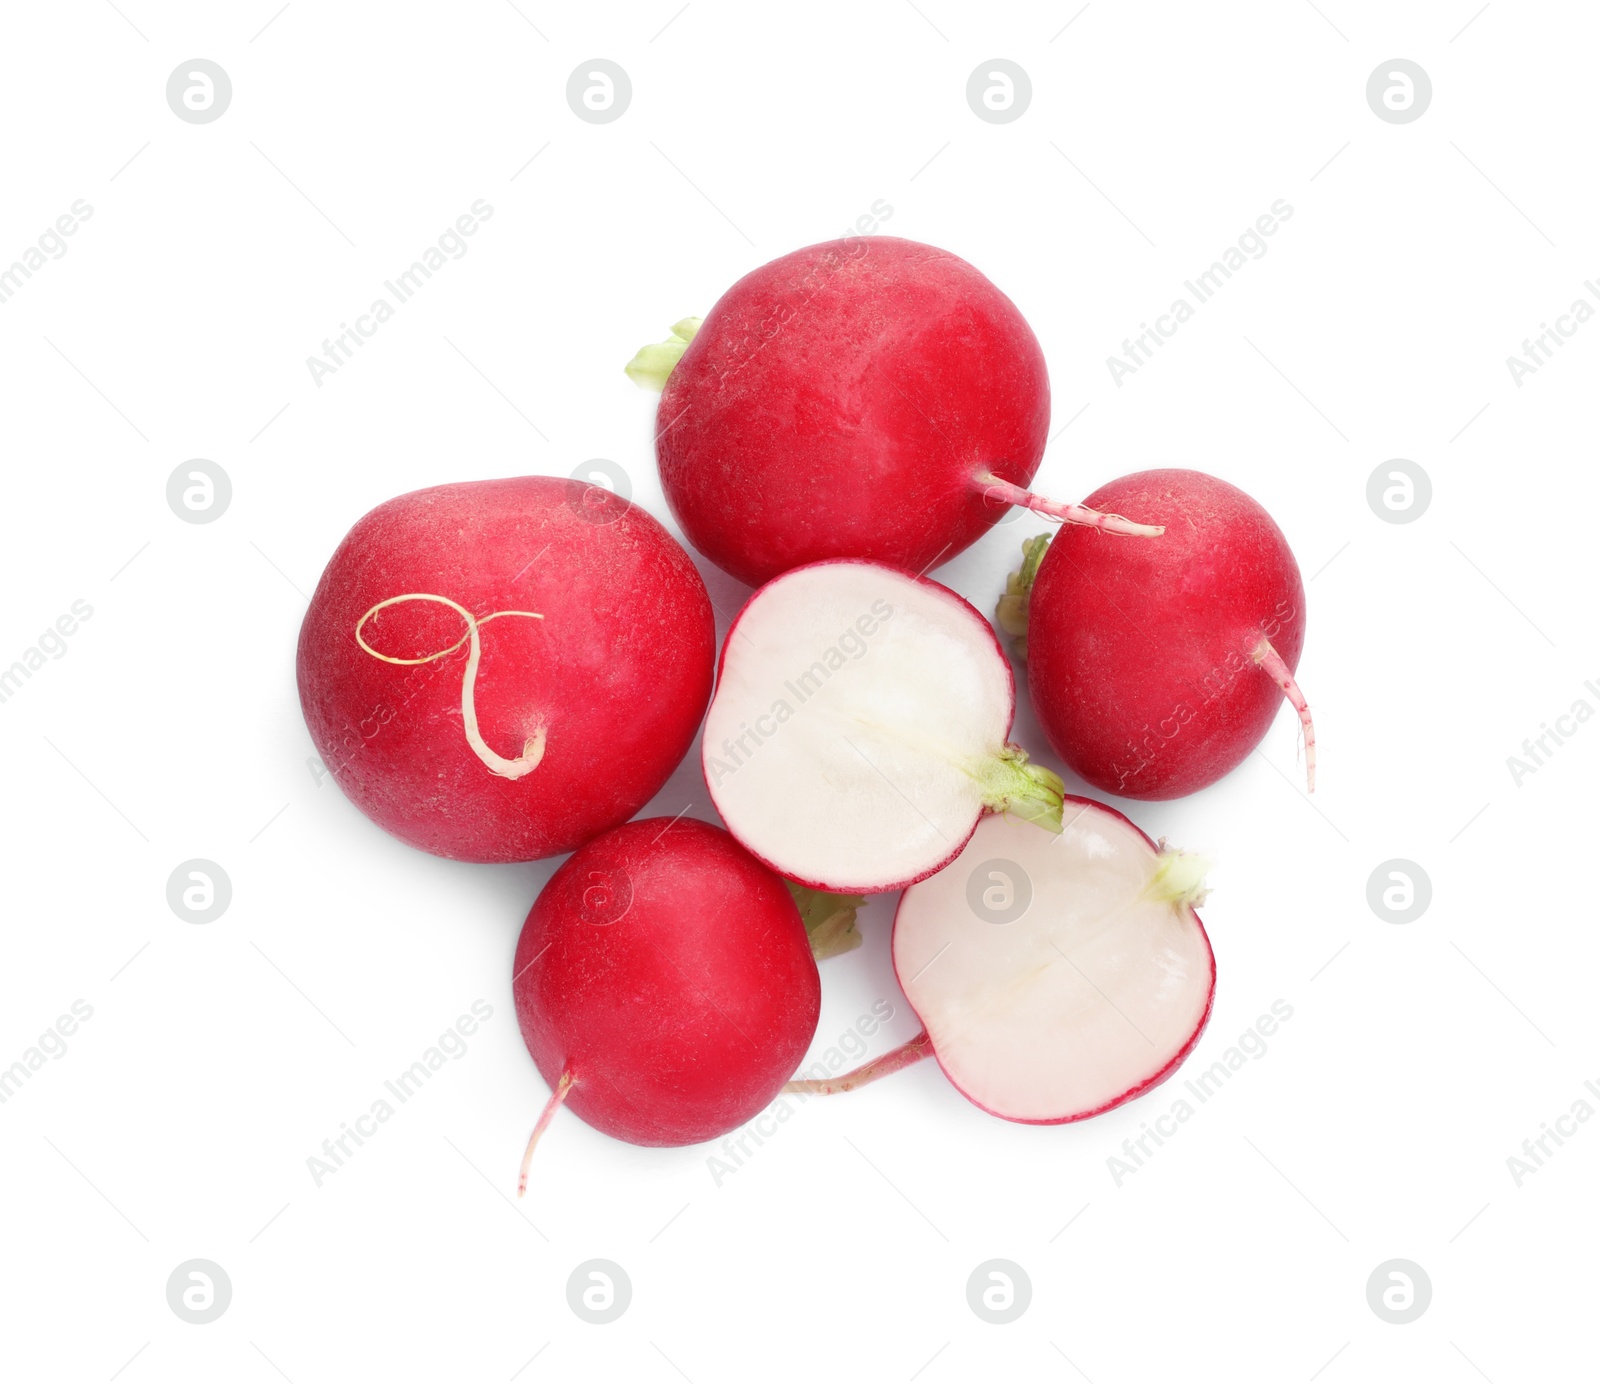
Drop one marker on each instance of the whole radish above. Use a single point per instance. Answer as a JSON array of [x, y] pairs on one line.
[[498, 670], [867, 398], [859, 728], [1055, 977], [1155, 668], [664, 985]]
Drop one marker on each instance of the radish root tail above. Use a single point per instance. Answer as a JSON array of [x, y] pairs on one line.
[[892, 1061], [533, 746], [1003, 492], [557, 1098], [1272, 662]]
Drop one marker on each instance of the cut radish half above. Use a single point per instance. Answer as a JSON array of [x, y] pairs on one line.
[[858, 730], [1056, 976]]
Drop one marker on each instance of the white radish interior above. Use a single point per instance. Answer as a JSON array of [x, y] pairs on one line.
[[1087, 996], [843, 742]]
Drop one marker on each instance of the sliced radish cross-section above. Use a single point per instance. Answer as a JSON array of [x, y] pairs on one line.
[[1058, 976], [858, 730]]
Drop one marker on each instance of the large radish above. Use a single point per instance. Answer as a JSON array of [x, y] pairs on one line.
[[1155, 668], [664, 985], [499, 670], [868, 397], [1056, 977], [859, 728]]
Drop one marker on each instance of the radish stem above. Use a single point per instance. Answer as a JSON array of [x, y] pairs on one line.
[[1180, 877], [1273, 663], [557, 1098], [652, 364], [1029, 791], [830, 919], [892, 1061], [1011, 614], [993, 488]]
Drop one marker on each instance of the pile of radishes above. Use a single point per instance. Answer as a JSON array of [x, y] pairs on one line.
[[508, 670]]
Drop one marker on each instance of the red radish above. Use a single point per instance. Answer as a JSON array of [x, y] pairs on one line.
[[859, 728], [1056, 977], [1155, 668], [499, 670], [870, 398], [664, 985]]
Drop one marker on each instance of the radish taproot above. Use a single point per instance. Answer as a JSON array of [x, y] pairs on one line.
[[1155, 668], [498, 670], [869, 398], [1055, 977], [858, 730], [664, 985]]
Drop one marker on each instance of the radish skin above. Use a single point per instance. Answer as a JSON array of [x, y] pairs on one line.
[[664, 985], [499, 670], [863, 398], [1155, 668]]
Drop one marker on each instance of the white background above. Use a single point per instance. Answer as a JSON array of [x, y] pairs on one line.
[[1419, 1057]]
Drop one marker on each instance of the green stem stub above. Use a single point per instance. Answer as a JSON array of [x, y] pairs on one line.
[[1012, 612], [830, 919], [651, 365], [1029, 791], [1180, 878]]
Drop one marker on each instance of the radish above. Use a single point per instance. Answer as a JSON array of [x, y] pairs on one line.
[[664, 985], [859, 728], [1155, 668], [499, 670], [870, 398], [1055, 977]]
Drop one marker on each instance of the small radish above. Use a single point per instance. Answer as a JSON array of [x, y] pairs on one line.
[[664, 985], [1055, 977], [1155, 668], [859, 728], [870, 398], [499, 670]]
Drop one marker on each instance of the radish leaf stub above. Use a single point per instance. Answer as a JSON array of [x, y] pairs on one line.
[[830, 919]]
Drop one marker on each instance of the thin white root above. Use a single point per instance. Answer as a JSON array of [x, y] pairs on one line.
[[1004, 492], [557, 1097], [896, 1059], [1278, 670], [533, 747]]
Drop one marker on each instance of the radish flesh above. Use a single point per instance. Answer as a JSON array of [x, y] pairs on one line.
[[858, 730], [1155, 668], [664, 985], [867, 397], [498, 670], [1056, 977]]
